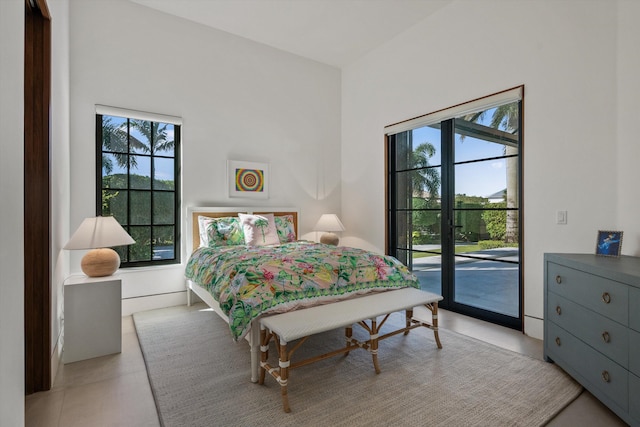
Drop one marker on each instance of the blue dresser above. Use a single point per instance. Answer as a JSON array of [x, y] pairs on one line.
[[592, 326]]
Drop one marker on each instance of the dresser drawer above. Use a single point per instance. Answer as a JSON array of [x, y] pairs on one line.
[[634, 352], [634, 308], [607, 297], [634, 397], [596, 372], [603, 334]]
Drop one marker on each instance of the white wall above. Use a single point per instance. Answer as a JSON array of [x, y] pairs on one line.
[[60, 199], [11, 213], [628, 114], [566, 54], [239, 100]]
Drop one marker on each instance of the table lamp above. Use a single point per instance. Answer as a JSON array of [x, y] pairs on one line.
[[329, 223], [99, 234]]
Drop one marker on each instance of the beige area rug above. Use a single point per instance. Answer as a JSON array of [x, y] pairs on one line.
[[200, 377]]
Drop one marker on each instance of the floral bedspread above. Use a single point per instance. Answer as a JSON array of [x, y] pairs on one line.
[[250, 281]]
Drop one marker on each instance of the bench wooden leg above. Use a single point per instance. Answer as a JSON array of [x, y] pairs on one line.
[[407, 319], [348, 334], [374, 344], [284, 375], [434, 321], [264, 353]]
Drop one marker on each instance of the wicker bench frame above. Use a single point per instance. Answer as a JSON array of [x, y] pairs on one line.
[[364, 311]]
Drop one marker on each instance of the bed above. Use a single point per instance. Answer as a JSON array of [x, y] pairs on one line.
[[241, 283]]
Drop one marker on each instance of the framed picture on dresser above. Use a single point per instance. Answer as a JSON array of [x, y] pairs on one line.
[[609, 243]]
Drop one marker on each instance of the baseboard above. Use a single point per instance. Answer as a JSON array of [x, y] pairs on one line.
[[56, 356], [151, 302], [534, 327]]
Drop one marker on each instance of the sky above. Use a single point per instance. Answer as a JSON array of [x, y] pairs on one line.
[[163, 166], [473, 179]]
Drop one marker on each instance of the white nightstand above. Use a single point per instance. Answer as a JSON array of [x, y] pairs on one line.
[[92, 317]]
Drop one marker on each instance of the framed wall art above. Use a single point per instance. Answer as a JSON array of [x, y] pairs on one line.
[[609, 243], [248, 179]]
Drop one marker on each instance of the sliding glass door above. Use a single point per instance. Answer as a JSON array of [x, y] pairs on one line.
[[454, 210]]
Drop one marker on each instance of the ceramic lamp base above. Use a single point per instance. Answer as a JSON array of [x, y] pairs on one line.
[[100, 262], [330, 239]]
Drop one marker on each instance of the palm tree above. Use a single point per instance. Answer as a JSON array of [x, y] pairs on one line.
[[116, 138], [506, 118], [152, 131], [426, 178]]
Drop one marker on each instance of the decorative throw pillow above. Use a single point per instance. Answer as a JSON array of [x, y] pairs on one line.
[[259, 230], [285, 228], [202, 229], [225, 231]]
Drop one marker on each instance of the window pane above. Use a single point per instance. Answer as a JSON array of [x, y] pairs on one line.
[[426, 227], [163, 207], [403, 256], [141, 172], [470, 227], [163, 243], [419, 148], [140, 208], [494, 179], [114, 170], [403, 230], [427, 268], [468, 148], [139, 136], [164, 174], [114, 134], [123, 252], [115, 203], [501, 224], [487, 133], [141, 249], [164, 141], [422, 183], [426, 146], [403, 190]]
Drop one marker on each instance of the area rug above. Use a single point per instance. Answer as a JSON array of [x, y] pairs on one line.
[[200, 377]]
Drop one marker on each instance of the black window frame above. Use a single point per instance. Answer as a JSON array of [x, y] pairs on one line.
[[395, 209], [125, 251]]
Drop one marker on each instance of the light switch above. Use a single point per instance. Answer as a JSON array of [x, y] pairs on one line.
[[561, 217]]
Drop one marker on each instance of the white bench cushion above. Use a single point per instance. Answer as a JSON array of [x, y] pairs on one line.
[[301, 323]]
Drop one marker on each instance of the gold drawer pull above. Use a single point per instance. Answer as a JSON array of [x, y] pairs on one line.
[[606, 337], [558, 279], [558, 310], [606, 297], [558, 341], [605, 376]]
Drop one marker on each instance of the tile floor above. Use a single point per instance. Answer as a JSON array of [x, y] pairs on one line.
[[114, 390]]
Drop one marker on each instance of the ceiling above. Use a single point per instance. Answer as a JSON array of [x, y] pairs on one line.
[[334, 32]]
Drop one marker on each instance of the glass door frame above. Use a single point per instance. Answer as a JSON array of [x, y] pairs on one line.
[[448, 223], [448, 217]]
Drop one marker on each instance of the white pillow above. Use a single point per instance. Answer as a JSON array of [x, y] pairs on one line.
[[202, 226], [259, 230]]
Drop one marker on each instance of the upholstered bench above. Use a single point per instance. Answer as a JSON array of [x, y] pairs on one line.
[[300, 324]]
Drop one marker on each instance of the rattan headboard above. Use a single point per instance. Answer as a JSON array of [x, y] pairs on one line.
[[212, 212]]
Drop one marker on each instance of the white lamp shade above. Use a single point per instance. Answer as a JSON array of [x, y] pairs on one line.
[[329, 222], [99, 232]]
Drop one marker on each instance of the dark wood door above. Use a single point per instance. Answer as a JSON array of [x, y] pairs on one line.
[[37, 230]]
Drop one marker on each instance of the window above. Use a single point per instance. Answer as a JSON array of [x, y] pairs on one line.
[[138, 182]]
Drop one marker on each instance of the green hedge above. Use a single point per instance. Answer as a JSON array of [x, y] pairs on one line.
[[494, 244]]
